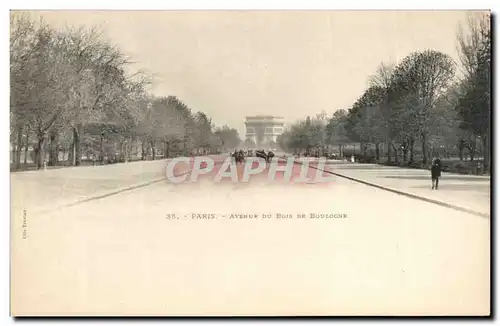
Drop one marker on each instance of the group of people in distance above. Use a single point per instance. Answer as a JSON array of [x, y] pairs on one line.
[[239, 155]]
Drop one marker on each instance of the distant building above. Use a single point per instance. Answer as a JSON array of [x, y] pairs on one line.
[[263, 130]]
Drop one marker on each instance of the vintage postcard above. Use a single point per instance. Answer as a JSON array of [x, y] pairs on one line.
[[250, 163]]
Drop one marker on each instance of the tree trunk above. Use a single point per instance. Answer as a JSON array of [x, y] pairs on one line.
[[56, 154], [71, 153], [425, 158], [26, 148], [40, 155], [143, 152], [77, 151], [51, 143], [101, 150], [486, 156], [412, 152], [166, 148], [53, 149], [396, 153], [125, 151], [405, 152], [377, 152], [461, 150], [17, 147], [389, 152], [153, 150]]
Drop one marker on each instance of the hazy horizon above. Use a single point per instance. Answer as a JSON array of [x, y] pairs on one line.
[[232, 64]]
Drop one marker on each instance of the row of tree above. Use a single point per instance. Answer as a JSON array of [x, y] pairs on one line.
[[72, 93], [422, 107]]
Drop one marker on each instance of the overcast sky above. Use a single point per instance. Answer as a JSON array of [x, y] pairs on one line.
[[291, 64]]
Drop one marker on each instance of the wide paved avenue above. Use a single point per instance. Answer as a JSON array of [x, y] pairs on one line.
[[170, 249]]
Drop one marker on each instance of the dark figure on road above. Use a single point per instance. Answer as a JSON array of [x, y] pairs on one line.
[[261, 154], [270, 156], [436, 173], [241, 156]]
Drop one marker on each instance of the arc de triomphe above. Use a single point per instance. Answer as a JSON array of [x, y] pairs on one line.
[[263, 130]]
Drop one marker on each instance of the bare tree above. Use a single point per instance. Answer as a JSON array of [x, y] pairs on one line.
[[420, 80], [470, 41], [383, 75], [475, 101], [72, 83]]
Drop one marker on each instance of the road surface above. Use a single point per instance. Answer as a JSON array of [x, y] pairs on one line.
[[167, 249]]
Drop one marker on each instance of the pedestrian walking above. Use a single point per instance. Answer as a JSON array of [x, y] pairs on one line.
[[435, 173]]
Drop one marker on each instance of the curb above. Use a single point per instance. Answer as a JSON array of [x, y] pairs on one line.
[[106, 194], [99, 196], [406, 194]]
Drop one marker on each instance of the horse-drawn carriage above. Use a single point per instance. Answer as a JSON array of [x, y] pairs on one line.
[[239, 156], [266, 156]]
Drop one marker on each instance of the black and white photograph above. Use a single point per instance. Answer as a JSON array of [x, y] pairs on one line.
[[250, 163]]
